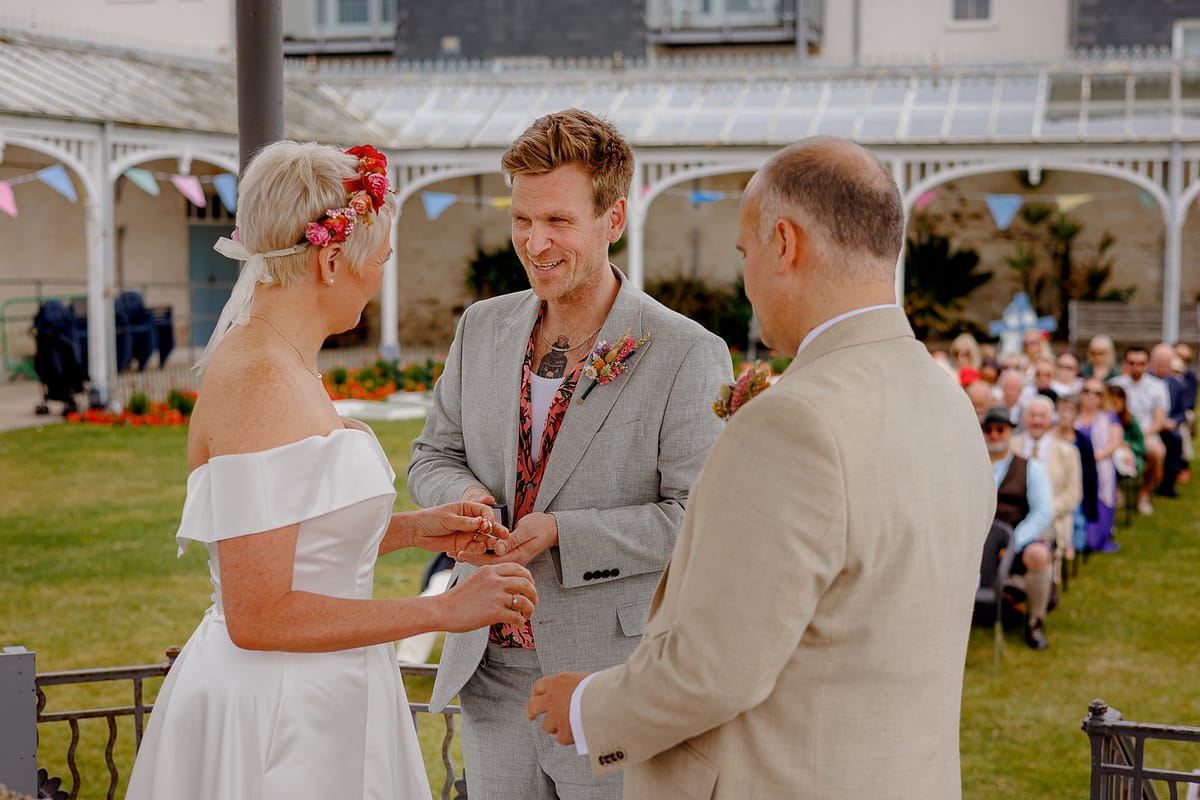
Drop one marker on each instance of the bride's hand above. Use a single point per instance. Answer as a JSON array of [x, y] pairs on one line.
[[460, 527], [495, 593]]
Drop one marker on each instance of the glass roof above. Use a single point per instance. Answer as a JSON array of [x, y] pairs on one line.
[[1158, 101], [703, 104]]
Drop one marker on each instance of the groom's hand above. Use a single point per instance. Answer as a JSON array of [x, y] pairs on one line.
[[552, 696], [535, 533]]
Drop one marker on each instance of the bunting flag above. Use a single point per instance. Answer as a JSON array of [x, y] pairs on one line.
[[500, 202], [437, 202], [56, 177], [143, 179], [1146, 199], [1068, 202], [1004, 207], [646, 190], [924, 199], [8, 203], [189, 187], [700, 197], [226, 185]]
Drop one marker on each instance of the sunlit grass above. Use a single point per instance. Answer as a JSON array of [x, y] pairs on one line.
[[89, 578]]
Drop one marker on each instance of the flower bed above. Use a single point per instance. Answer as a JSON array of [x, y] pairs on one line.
[[378, 380], [139, 411]]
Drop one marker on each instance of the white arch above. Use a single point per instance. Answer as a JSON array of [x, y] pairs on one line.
[[407, 190], [119, 165], [90, 190], [1014, 165]]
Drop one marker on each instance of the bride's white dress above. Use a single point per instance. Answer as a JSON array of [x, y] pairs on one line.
[[231, 723]]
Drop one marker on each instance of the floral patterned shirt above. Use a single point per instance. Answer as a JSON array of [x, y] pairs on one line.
[[529, 474]]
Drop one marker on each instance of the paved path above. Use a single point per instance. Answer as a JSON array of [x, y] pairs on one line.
[[17, 401]]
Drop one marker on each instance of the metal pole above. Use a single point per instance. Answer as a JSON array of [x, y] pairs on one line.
[[259, 75], [1172, 265], [801, 31]]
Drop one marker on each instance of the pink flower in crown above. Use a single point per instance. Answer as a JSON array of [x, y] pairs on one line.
[[360, 202], [317, 234], [606, 362], [340, 223]]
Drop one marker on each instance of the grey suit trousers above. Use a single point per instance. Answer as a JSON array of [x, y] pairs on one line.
[[524, 762]]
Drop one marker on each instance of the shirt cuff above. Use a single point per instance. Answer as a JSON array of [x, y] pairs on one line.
[[577, 716]]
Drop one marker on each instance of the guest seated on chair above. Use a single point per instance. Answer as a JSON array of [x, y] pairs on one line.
[[1025, 500], [1062, 463]]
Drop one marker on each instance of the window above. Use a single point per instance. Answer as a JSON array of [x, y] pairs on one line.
[[388, 11], [352, 11], [736, 12], [971, 10], [1185, 41]]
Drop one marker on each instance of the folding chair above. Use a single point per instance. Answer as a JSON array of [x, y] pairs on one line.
[[994, 570]]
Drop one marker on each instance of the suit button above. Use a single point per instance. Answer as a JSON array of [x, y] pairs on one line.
[[604, 573], [616, 572], [587, 576]]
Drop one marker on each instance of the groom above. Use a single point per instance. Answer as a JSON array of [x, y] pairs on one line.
[[808, 637], [595, 472]]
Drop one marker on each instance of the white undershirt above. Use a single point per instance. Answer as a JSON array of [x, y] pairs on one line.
[[542, 391]]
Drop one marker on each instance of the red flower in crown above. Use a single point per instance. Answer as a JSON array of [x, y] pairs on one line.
[[372, 174], [364, 195]]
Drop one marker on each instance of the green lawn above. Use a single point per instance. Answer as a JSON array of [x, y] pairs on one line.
[[89, 578]]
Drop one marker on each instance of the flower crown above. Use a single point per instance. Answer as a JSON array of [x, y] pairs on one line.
[[364, 195]]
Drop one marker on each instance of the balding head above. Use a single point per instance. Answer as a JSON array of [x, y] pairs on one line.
[[1160, 360], [843, 197], [980, 393]]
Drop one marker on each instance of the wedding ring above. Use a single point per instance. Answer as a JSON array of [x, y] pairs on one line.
[[515, 600]]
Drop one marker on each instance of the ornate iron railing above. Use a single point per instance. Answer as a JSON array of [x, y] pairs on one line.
[[139, 710], [1119, 770]]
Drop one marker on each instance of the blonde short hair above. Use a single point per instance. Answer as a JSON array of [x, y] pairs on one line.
[[575, 137], [290, 184]]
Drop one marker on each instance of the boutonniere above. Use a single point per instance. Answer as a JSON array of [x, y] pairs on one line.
[[735, 395], [607, 360]]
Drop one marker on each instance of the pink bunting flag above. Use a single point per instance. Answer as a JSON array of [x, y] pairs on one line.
[[924, 199], [189, 187], [8, 203]]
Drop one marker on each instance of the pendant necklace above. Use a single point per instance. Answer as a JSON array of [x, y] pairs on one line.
[[314, 372], [559, 348]]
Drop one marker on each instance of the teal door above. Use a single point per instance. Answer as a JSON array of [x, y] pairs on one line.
[[211, 277]]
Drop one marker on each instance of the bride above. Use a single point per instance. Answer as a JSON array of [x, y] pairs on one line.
[[289, 688]]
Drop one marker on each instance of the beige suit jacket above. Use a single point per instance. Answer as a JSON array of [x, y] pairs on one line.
[[1066, 482], [809, 635]]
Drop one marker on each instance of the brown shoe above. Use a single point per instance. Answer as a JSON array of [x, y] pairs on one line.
[[1184, 476]]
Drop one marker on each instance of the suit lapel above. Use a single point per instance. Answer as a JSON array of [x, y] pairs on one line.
[[582, 421], [512, 333]]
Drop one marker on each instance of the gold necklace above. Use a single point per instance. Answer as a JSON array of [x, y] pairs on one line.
[[314, 372], [558, 348]]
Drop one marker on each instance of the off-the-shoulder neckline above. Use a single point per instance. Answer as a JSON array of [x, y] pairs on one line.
[[281, 447]]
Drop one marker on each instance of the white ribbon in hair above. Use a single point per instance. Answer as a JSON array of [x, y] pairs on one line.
[[237, 309]]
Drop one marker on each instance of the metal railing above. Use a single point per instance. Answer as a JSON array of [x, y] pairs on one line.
[[13, 691], [1119, 770]]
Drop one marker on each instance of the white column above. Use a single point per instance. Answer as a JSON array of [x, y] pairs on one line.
[[635, 229], [389, 312], [98, 238], [1173, 255]]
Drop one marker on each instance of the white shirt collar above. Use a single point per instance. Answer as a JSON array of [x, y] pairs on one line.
[[854, 312]]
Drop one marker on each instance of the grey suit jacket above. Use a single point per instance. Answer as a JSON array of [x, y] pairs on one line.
[[808, 637], [617, 478]]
